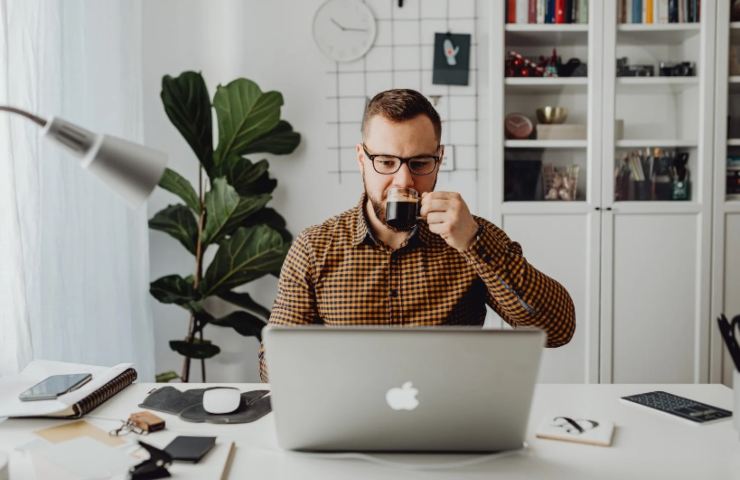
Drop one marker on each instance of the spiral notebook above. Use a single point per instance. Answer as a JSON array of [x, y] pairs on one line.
[[106, 382]]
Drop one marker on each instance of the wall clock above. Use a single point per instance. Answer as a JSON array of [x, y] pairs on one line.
[[344, 30]]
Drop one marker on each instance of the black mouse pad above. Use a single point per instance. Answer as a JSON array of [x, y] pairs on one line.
[[188, 405], [253, 406]]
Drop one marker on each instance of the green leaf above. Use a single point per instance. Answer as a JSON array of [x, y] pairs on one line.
[[176, 183], [198, 349], [271, 218], [165, 377], [188, 106], [280, 140], [249, 253], [244, 323], [243, 300], [264, 184], [177, 221], [174, 289], [241, 173], [227, 210], [244, 114]]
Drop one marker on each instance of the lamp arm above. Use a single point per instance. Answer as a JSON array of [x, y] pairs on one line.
[[34, 118]]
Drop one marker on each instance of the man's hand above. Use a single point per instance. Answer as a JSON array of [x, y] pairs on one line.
[[448, 216]]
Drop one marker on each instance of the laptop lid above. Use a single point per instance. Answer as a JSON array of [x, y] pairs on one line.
[[401, 389]]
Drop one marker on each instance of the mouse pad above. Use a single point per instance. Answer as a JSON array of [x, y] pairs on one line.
[[188, 405]]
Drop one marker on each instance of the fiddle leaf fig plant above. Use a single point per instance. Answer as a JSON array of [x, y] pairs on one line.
[[227, 212]]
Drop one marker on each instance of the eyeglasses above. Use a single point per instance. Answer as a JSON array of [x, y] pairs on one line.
[[390, 164]]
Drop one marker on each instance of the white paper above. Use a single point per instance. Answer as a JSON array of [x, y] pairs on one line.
[[36, 371], [84, 458]]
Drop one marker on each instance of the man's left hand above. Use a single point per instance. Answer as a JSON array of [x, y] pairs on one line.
[[449, 217]]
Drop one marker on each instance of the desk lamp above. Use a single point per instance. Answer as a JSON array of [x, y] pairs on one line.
[[128, 168]]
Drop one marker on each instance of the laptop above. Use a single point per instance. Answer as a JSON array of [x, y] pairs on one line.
[[438, 389]]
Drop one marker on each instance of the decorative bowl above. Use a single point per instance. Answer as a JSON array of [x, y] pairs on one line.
[[550, 114]]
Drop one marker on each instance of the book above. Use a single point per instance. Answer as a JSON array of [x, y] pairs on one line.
[[522, 10], [649, 11], [106, 383], [560, 6], [532, 11], [582, 11], [541, 8]]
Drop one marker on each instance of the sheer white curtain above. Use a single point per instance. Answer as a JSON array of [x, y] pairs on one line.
[[74, 260]]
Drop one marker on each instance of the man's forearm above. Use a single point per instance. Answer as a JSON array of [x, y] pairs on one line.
[[520, 293]]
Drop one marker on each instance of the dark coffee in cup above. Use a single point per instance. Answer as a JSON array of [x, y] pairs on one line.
[[402, 208]]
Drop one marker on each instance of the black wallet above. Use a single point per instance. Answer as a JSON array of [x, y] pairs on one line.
[[190, 449]]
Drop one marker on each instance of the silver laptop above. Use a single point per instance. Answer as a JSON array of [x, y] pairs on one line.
[[401, 389]]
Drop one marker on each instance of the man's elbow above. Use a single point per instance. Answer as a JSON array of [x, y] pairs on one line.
[[564, 327]]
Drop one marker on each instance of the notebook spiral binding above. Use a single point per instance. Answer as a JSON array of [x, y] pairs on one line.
[[105, 392]]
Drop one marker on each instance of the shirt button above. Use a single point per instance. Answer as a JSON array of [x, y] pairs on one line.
[[394, 293]]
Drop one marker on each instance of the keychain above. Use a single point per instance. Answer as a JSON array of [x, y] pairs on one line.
[[139, 423]]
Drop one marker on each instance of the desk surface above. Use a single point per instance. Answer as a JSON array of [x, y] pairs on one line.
[[646, 444]]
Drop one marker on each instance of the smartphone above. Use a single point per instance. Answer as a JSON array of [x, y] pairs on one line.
[[51, 387]]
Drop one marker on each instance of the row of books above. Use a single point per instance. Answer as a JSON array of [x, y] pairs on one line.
[[547, 11], [659, 11]]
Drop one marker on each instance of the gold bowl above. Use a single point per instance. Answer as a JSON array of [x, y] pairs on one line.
[[552, 114]]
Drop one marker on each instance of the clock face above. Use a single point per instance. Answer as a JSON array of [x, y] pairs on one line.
[[344, 30]]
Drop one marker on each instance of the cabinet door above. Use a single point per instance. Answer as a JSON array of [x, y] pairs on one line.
[[653, 330], [564, 247], [731, 304]]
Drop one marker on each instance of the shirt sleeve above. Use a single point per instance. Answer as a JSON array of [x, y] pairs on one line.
[[295, 303], [518, 292]]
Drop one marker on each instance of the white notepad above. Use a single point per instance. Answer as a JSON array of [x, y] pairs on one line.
[[590, 431]]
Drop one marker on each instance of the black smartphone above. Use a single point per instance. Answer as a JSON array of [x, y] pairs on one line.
[[51, 387]]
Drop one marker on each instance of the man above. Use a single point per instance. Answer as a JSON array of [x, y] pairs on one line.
[[355, 269]]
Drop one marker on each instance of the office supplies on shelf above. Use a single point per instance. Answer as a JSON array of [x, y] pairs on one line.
[[106, 382]]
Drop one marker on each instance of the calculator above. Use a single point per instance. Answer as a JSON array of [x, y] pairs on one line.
[[685, 408]]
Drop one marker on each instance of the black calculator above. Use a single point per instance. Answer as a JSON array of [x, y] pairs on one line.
[[680, 406]]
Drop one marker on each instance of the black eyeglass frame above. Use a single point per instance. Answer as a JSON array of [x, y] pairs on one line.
[[402, 160]]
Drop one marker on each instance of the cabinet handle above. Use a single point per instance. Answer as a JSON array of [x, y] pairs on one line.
[[598, 208], [609, 209]]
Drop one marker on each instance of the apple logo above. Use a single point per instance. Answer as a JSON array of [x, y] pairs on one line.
[[403, 398]]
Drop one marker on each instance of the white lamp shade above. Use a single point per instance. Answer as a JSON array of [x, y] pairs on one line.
[[128, 168]]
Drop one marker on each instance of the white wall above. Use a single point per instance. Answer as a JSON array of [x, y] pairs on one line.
[[268, 41]]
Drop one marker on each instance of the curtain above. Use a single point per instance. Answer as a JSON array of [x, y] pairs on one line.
[[74, 270]]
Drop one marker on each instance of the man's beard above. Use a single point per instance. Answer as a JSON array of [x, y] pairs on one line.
[[379, 208]]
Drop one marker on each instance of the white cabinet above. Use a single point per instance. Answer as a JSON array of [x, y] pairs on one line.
[[726, 206], [639, 271]]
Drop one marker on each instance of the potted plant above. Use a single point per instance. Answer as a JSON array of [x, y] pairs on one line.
[[228, 212]]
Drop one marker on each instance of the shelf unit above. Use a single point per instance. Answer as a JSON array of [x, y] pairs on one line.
[[726, 208], [618, 259]]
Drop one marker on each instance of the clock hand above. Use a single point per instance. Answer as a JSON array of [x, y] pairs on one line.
[[337, 24], [355, 29]]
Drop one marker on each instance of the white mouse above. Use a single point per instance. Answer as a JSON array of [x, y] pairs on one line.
[[220, 400]]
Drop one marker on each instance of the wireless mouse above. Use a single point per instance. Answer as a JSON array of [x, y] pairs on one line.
[[220, 400]]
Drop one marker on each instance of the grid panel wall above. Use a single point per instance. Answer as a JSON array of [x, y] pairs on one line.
[[402, 57]]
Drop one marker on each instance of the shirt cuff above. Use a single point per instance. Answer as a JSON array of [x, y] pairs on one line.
[[486, 249]]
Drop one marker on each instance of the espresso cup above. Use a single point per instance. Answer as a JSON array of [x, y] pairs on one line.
[[402, 208]]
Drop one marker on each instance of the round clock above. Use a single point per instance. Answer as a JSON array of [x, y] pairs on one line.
[[344, 30], [518, 126]]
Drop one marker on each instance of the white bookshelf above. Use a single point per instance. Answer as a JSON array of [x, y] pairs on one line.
[[632, 267]]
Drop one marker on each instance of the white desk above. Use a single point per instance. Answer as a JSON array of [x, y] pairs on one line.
[[646, 444]]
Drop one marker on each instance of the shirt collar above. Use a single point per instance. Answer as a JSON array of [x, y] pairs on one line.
[[364, 234]]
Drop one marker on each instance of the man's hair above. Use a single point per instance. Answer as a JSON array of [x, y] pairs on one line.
[[399, 105]]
